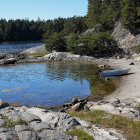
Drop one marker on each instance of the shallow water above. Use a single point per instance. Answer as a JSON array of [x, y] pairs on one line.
[[17, 48], [50, 83]]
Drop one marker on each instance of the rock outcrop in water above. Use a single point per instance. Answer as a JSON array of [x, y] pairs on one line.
[[38, 49]]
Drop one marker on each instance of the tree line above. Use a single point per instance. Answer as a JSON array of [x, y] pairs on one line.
[[64, 34], [25, 30]]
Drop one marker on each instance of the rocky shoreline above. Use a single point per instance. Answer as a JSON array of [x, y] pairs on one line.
[[53, 123], [41, 124]]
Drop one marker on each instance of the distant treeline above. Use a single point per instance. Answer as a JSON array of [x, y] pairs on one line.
[[25, 30], [64, 34]]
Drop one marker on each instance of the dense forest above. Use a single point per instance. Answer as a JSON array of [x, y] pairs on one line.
[[66, 34], [25, 30], [106, 12]]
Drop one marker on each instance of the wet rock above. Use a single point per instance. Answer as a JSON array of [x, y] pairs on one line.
[[2, 55], [30, 117], [10, 61], [54, 135], [74, 100], [39, 126], [21, 56], [3, 104], [27, 135], [19, 128], [78, 106], [67, 105], [2, 122]]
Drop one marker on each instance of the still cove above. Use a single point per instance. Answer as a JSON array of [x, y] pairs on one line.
[[51, 83]]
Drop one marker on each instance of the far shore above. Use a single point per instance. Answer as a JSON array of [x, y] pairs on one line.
[[20, 42]]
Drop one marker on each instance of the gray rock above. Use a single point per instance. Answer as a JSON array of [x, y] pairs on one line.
[[38, 49], [27, 135], [3, 104], [2, 55], [10, 61], [124, 38], [60, 121], [75, 100], [2, 122], [3, 130], [19, 128], [39, 126], [6, 136], [11, 114], [78, 106], [30, 117], [54, 135]]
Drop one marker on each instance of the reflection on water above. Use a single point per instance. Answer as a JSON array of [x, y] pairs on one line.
[[17, 48], [50, 83]]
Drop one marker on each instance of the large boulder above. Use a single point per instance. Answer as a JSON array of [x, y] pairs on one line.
[[12, 114], [61, 56], [54, 135], [38, 49], [60, 121], [9, 61], [30, 117], [124, 38]]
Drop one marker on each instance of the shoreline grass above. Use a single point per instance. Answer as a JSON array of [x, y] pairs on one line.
[[130, 129]]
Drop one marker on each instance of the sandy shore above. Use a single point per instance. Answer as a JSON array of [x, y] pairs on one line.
[[130, 84]]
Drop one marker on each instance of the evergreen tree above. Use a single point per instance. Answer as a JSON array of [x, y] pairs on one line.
[[130, 14], [94, 12]]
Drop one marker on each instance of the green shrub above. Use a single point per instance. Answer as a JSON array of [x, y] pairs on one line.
[[100, 44], [130, 128], [55, 42]]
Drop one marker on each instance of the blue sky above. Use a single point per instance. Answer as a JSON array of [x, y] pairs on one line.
[[45, 9]]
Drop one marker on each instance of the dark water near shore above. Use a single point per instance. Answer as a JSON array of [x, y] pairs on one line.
[[17, 48], [51, 83]]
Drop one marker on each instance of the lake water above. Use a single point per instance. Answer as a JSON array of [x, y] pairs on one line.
[[17, 48], [50, 83]]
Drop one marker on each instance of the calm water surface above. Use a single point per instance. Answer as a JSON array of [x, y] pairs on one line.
[[50, 83], [16, 48]]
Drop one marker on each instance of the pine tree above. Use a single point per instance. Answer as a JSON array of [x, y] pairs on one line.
[[130, 14]]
